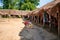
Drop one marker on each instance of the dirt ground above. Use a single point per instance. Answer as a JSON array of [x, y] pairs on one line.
[[10, 28], [14, 29]]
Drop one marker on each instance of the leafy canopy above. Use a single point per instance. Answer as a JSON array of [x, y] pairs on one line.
[[20, 4], [28, 4]]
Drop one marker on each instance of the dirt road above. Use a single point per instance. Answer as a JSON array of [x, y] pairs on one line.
[[14, 29]]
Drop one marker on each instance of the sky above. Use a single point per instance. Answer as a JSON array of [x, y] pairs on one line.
[[41, 3], [1, 3]]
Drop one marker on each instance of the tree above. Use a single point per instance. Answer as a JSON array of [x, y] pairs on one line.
[[20, 4], [10, 4], [28, 4], [6, 4], [1, 7], [14, 4]]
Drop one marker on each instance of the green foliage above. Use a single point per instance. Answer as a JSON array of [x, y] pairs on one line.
[[28, 4], [35, 2], [10, 4], [20, 4], [6, 4], [1, 7]]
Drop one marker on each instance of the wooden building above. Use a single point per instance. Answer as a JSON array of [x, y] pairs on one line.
[[12, 13], [48, 16]]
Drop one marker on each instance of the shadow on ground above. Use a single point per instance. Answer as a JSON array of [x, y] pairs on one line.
[[36, 33], [25, 34]]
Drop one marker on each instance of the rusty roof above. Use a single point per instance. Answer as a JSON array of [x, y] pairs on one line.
[[50, 4], [13, 12]]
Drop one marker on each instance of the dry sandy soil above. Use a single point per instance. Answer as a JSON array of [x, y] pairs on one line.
[[10, 28], [14, 29]]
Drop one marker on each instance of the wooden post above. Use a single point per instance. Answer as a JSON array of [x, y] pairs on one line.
[[58, 18], [58, 25], [31, 18], [43, 20], [0, 16], [49, 22], [38, 19], [34, 18]]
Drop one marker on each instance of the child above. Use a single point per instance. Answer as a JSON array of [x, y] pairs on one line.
[[28, 24]]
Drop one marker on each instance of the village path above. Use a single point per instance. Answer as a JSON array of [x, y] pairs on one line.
[[14, 29], [37, 33]]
